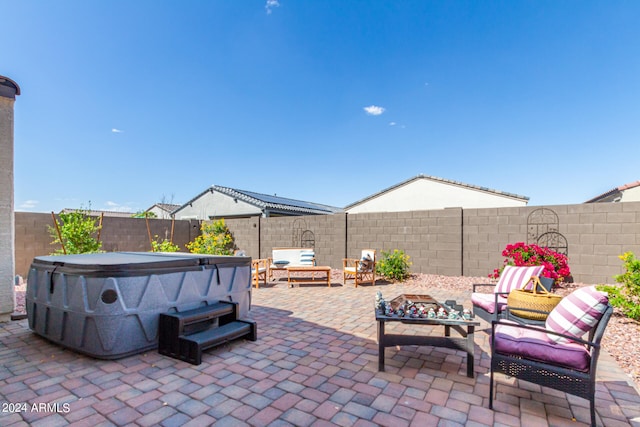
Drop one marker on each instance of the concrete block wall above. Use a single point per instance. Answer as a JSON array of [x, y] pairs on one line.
[[329, 233], [131, 234], [486, 232], [432, 239], [118, 234], [32, 239], [448, 241], [246, 234], [596, 233]]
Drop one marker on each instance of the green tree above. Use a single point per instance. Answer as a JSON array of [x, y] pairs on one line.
[[78, 233], [215, 238]]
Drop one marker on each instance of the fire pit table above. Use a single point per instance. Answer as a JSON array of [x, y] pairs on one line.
[[408, 309]]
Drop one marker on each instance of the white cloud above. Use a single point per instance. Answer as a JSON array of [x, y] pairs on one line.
[[270, 5], [392, 123], [114, 130], [374, 110], [28, 204]]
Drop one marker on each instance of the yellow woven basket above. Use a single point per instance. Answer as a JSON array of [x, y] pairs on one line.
[[537, 299]]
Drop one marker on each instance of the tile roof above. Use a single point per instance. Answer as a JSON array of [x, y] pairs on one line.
[[442, 180], [269, 202], [614, 191], [169, 207]]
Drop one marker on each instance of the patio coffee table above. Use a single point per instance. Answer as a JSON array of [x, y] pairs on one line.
[[465, 328], [307, 269]]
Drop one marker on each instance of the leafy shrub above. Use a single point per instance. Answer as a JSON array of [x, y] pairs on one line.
[[522, 255], [215, 238], [144, 214], [393, 265], [165, 245], [78, 233], [627, 296]]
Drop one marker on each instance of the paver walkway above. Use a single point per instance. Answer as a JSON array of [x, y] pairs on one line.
[[314, 364]]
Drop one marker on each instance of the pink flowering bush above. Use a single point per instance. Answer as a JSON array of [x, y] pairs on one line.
[[519, 254]]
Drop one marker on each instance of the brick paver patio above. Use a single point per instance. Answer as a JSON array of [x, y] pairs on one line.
[[314, 364]]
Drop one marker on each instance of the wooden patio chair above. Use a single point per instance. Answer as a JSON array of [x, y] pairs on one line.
[[361, 270], [259, 271]]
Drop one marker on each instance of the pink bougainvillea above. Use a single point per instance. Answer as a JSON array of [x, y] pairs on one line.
[[522, 255]]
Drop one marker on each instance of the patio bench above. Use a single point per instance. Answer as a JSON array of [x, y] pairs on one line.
[[281, 258]]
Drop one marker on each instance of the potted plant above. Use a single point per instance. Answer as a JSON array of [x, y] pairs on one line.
[[556, 267]]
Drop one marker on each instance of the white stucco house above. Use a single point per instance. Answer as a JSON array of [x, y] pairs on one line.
[[223, 202], [163, 210], [625, 193], [424, 192]]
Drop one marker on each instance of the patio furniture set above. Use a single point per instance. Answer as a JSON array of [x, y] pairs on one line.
[[560, 351], [299, 262], [556, 348]]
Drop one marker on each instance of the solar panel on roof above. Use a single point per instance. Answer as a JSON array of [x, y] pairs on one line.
[[284, 201]]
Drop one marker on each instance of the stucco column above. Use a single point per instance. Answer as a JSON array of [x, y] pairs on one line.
[[8, 91]]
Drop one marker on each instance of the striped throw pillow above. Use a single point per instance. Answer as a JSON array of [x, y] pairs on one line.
[[307, 258], [516, 277], [577, 313], [366, 263]]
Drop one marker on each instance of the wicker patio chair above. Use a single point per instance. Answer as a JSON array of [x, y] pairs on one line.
[[490, 306], [532, 354]]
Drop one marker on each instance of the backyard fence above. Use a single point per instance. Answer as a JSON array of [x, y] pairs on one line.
[[451, 242]]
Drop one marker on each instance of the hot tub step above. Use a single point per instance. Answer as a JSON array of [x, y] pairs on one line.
[[208, 312], [184, 335], [191, 346]]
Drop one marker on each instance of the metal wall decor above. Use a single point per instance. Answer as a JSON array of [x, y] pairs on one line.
[[539, 222], [301, 237], [554, 241], [308, 239], [542, 229], [299, 225]]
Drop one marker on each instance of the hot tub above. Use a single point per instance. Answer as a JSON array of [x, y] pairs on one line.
[[107, 305]]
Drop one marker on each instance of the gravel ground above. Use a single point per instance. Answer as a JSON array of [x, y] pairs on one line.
[[621, 339]]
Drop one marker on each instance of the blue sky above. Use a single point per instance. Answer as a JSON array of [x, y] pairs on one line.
[[127, 103]]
